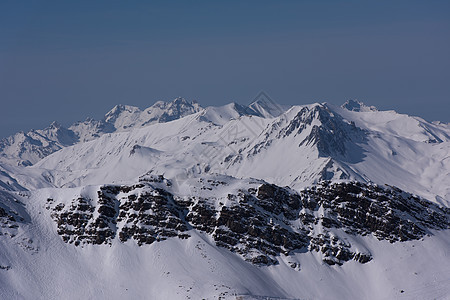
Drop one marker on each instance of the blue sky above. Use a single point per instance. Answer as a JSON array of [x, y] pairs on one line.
[[67, 60]]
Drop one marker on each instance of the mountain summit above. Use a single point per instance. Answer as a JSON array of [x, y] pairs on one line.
[[355, 105], [28, 148], [124, 117], [266, 107], [249, 202]]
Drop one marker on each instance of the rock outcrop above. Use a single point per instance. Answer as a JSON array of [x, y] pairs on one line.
[[259, 223]]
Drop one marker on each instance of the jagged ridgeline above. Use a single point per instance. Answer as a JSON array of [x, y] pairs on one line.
[[27, 148], [255, 200], [259, 221]]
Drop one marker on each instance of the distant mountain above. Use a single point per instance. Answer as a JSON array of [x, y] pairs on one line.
[[124, 117], [27, 148], [267, 108], [302, 146], [354, 105], [223, 114]]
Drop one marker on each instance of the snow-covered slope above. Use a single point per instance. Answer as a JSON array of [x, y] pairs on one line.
[[405, 151], [220, 237], [125, 117], [223, 114], [25, 149], [303, 146], [266, 107], [233, 202]]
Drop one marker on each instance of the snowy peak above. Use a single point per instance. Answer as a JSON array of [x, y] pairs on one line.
[[243, 110], [26, 148], [333, 136], [266, 107], [124, 117], [319, 126], [223, 114], [91, 129], [355, 105], [230, 202], [54, 125], [59, 134], [169, 111], [393, 123], [302, 146], [259, 108], [121, 111], [263, 107], [306, 144]]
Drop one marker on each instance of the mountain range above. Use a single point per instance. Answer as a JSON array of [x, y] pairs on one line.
[[233, 202]]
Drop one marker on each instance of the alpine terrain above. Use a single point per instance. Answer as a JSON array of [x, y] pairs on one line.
[[233, 202]]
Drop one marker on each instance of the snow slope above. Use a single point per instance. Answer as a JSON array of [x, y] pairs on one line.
[[166, 203], [302, 146], [25, 149], [35, 263]]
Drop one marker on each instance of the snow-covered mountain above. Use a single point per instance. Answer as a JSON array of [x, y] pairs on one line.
[[303, 146], [179, 201], [26, 149], [124, 117]]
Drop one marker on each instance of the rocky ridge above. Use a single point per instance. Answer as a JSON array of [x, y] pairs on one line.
[[260, 221]]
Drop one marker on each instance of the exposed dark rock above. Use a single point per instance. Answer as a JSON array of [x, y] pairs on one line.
[[259, 224]]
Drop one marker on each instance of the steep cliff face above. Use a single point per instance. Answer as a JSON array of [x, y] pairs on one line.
[[259, 221]]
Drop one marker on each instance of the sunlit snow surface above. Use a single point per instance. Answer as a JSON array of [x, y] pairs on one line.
[[391, 148], [286, 149], [48, 268]]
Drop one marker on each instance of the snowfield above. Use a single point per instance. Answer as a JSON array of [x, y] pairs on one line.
[[232, 202], [44, 267], [387, 147]]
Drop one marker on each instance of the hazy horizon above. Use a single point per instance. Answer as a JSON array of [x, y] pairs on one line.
[[65, 62]]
